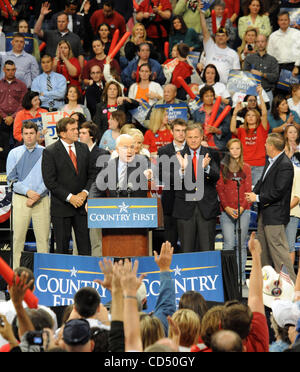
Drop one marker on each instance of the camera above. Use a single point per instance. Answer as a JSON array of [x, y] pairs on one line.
[[35, 338], [250, 48], [152, 17]]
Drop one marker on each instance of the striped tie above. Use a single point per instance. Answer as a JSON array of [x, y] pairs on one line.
[[49, 88]]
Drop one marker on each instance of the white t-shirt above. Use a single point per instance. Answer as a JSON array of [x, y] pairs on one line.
[[224, 59], [294, 107]]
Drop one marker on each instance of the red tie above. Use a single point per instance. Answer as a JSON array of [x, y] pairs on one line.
[[195, 163], [73, 158]]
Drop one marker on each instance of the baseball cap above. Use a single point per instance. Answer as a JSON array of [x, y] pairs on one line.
[[285, 312], [77, 332]]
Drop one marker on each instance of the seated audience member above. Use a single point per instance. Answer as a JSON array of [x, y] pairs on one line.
[[215, 137], [94, 91], [284, 44], [130, 73], [159, 133], [53, 37], [110, 16], [112, 100], [66, 64], [219, 7], [73, 97], [79, 118], [226, 342], [23, 28], [104, 34], [281, 115], [254, 17], [181, 34], [31, 110], [248, 46], [211, 77], [294, 101], [115, 122], [250, 321], [145, 88], [155, 16], [217, 52], [253, 136], [12, 91], [99, 59], [50, 85], [233, 166], [26, 65], [138, 36], [292, 143]]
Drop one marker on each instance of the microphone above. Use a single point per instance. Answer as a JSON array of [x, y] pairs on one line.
[[129, 189]]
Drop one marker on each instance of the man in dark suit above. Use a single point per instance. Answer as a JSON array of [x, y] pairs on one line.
[[196, 205], [124, 176], [178, 128], [68, 173], [273, 194], [94, 91]]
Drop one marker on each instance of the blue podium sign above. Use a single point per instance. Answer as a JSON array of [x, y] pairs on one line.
[[110, 213]]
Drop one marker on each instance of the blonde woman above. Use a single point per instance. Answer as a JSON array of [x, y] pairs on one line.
[[152, 329], [139, 36], [248, 44], [66, 64], [159, 133], [138, 137]]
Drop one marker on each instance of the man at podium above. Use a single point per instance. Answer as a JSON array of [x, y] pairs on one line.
[[124, 176]]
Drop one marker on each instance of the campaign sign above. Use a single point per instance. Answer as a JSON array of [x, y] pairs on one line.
[[243, 82], [294, 16], [175, 110], [207, 4], [286, 79], [111, 213], [59, 277], [49, 120], [141, 112], [39, 123]]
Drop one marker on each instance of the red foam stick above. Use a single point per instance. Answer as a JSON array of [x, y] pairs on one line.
[[224, 18], [9, 8], [222, 116], [214, 22], [119, 45], [42, 46], [135, 5], [186, 87], [3, 8], [214, 112], [7, 274], [114, 40], [167, 46]]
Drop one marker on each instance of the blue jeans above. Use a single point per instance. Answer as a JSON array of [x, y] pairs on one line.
[[230, 232], [291, 232]]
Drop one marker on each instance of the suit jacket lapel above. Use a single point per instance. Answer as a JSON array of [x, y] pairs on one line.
[[273, 167]]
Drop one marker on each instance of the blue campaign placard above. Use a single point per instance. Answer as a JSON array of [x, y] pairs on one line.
[[286, 79], [110, 213], [243, 82], [59, 277]]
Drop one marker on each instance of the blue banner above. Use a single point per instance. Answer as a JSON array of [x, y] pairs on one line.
[[28, 42], [176, 110], [286, 79], [243, 82], [59, 277], [111, 213], [141, 112]]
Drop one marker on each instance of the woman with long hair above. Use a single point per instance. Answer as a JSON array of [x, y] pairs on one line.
[[254, 17], [146, 89], [159, 133], [233, 167], [248, 44], [66, 64], [180, 33], [73, 99], [281, 115], [104, 34], [115, 123], [253, 135], [292, 143]]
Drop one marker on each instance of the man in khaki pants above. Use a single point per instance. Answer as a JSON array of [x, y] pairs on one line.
[[30, 196]]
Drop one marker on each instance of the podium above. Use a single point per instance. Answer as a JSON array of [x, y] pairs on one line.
[[126, 224]]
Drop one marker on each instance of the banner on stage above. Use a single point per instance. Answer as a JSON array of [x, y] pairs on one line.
[[243, 82], [59, 277], [49, 120]]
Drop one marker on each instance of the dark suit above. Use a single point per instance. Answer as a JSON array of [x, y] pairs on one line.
[[93, 96], [61, 179], [168, 197], [196, 220], [103, 188], [274, 191]]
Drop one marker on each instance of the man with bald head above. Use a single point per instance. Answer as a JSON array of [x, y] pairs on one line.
[[123, 176]]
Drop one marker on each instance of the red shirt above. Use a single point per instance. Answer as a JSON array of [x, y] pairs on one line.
[[11, 96], [157, 140], [117, 21], [227, 191], [233, 7], [163, 5], [24, 115], [71, 80], [258, 339], [253, 142]]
